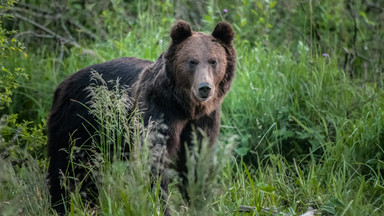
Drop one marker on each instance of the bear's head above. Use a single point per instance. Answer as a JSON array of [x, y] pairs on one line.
[[202, 66]]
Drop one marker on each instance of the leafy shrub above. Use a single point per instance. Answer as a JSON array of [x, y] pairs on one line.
[[8, 45], [17, 140]]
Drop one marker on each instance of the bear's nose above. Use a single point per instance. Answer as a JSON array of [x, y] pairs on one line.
[[204, 89]]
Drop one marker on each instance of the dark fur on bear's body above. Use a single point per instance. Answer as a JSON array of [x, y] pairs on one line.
[[66, 119], [182, 90]]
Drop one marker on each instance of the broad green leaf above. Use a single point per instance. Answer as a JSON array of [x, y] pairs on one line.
[[272, 4], [243, 22], [242, 151], [259, 5]]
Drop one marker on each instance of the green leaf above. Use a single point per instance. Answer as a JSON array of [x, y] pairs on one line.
[[261, 20], [362, 13], [242, 151], [272, 4], [208, 18], [243, 22]]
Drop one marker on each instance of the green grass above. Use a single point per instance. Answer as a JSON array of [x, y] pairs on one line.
[[296, 132]]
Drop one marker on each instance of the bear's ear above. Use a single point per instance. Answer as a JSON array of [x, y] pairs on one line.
[[224, 32], [180, 31]]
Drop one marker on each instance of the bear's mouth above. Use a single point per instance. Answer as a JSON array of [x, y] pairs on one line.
[[202, 99]]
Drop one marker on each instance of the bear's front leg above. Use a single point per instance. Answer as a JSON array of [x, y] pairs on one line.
[[164, 141], [208, 127]]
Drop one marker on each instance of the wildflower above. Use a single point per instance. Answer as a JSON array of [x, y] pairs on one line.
[[326, 58], [225, 11]]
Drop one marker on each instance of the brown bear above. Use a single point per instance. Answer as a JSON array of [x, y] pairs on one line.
[[183, 89]]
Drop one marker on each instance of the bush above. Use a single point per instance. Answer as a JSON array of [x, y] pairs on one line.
[[8, 46], [17, 140]]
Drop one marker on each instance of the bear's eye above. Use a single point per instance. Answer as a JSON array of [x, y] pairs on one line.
[[213, 62], [193, 63]]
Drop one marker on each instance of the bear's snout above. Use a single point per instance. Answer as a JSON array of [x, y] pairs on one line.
[[204, 91]]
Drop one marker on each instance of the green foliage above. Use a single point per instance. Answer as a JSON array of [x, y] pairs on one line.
[[302, 104], [19, 141], [23, 189], [8, 45]]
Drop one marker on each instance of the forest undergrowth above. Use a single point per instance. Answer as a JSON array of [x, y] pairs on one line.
[[302, 127]]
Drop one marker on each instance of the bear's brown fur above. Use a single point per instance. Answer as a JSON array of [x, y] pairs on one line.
[[182, 90]]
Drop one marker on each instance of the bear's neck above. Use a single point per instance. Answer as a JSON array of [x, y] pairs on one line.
[[192, 108]]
